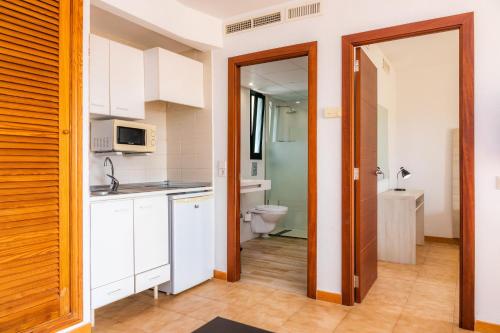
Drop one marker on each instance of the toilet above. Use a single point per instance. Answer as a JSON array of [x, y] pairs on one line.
[[266, 217]]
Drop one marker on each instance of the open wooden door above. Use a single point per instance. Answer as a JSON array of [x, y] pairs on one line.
[[365, 267]]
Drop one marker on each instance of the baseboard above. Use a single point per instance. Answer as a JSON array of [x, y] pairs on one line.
[[484, 327], [328, 297], [220, 275], [442, 240], [87, 328]]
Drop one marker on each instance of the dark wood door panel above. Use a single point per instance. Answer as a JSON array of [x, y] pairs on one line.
[[366, 186]]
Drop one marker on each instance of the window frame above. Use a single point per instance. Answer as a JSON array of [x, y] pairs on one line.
[[255, 95]]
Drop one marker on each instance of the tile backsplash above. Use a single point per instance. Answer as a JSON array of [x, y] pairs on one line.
[[137, 169], [189, 143]]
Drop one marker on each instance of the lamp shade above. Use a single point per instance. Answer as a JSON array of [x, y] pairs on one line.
[[405, 174]]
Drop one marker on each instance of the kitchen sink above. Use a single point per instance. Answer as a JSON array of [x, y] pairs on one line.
[[103, 193]]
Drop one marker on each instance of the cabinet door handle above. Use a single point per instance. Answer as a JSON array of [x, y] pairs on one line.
[[146, 206], [121, 108], [196, 206], [121, 210], [114, 291], [155, 277], [97, 104]]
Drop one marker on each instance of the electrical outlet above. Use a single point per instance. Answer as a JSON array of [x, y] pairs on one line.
[[221, 168]]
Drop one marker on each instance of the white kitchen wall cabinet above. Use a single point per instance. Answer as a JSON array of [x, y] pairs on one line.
[[151, 233], [116, 79], [126, 81], [112, 241], [173, 78], [99, 75]]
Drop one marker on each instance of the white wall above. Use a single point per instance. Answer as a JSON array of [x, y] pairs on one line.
[[170, 18], [252, 199], [427, 112], [345, 17], [137, 169], [421, 96]]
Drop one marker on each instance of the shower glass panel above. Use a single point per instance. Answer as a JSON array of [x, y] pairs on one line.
[[286, 162]]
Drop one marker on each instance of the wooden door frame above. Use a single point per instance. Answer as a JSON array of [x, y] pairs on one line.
[[74, 39], [233, 154], [464, 23]]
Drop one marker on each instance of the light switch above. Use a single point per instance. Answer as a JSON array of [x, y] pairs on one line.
[[221, 168], [332, 112]]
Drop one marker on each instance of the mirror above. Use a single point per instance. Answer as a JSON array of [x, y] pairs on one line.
[[383, 141]]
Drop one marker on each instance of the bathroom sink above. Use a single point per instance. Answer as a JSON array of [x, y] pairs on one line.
[[254, 185]]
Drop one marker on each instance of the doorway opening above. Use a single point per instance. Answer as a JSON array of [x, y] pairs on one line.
[[273, 195], [272, 168], [376, 175]]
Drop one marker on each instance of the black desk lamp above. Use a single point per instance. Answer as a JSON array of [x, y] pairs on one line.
[[405, 174]]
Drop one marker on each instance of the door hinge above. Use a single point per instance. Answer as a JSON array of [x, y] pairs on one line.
[[356, 281], [356, 173], [356, 66]]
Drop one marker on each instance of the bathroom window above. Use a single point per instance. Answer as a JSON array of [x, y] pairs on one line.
[[257, 112]]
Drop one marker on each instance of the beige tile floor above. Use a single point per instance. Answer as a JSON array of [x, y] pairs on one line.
[[420, 298]]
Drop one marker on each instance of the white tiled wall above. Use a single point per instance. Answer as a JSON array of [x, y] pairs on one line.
[[189, 143], [189, 133], [137, 169]]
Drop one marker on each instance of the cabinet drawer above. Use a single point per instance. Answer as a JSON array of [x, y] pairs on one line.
[[152, 278], [112, 292]]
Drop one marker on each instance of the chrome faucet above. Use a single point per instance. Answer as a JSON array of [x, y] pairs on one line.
[[113, 187]]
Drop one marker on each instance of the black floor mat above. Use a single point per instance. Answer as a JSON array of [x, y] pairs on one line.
[[221, 325]]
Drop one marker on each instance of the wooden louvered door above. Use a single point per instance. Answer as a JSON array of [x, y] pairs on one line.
[[35, 147]]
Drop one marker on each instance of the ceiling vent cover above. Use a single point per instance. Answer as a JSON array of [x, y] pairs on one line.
[[266, 19], [238, 26], [304, 10]]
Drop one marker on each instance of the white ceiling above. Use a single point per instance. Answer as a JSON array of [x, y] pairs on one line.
[[106, 24], [228, 8], [285, 80], [427, 50]]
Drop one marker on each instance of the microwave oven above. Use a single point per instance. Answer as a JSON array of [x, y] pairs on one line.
[[116, 135]]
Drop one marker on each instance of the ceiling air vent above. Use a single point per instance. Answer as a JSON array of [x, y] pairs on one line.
[[238, 26], [266, 19], [304, 10]]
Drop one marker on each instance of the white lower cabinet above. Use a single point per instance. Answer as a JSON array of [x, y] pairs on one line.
[[151, 245], [129, 247], [152, 278], [112, 292], [112, 241]]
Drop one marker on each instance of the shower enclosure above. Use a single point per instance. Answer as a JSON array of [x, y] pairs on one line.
[[286, 164]]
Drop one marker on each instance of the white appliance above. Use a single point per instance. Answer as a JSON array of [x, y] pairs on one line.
[[122, 136], [192, 245]]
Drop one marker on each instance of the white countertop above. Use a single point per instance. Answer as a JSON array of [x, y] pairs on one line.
[[149, 193]]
